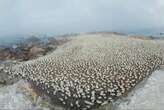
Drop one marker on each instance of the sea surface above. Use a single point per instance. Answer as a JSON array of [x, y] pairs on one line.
[[7, 41]]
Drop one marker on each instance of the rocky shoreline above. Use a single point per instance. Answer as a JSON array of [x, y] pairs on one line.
[[30, 49]]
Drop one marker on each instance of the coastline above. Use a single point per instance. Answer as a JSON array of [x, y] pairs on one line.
[[54, 43]]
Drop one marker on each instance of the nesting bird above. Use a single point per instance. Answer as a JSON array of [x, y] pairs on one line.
[[92, 70]]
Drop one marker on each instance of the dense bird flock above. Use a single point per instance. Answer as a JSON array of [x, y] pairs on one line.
[[92, 70]]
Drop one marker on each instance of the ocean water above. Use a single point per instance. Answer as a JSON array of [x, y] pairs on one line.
[[8, 41], [146, 96]]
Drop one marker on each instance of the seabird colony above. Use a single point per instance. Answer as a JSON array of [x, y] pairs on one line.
[[92, 70]]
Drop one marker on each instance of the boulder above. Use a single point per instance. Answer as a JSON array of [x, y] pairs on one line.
[[36, 51]]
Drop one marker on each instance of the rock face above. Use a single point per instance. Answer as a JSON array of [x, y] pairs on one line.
[[29, 49], [92, 70], [147, 96], [10, 96], [20, 96], [35, 51]]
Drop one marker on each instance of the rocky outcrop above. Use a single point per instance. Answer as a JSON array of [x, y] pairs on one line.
[[92, 70], [31, 48]]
